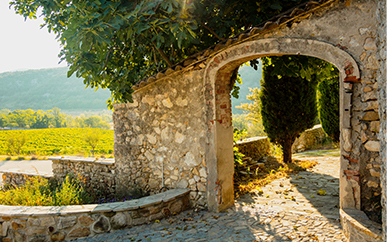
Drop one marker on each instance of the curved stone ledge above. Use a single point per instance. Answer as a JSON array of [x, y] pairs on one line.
[[25, 223], [357, 226]]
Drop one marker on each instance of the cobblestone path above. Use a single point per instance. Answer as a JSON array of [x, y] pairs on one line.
[[289, 210]]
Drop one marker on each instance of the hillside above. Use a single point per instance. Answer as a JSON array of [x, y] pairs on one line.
[[251, 78], [48, 88]]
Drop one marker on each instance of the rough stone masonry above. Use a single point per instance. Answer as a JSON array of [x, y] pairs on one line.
[[178, 131]]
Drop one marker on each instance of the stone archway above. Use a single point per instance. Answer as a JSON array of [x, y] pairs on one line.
[[218, 85]]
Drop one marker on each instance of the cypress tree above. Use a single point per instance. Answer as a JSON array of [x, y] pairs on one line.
[[328, 106], [288, 100]]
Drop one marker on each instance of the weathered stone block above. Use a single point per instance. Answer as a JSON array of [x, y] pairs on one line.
[[102, 225], [370, 116], [374, 173], [79, 232], [119, 221], [375, 126], [35, 230], [176, 207], [33, 221], [4, 226], [67, 222], [85, 220], [372, 146], [38, 238], [373, 184], [18, 225], [346, 139], [47, 221], [370, 44]]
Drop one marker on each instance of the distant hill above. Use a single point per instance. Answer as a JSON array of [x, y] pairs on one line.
[[251, 78], [48, 88]]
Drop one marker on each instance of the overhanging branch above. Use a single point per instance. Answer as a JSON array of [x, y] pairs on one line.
[[163, 55]]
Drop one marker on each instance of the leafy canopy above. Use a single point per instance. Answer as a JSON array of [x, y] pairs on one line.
[[114, 44]]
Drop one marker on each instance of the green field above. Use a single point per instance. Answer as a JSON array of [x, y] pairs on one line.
[[58, 141]]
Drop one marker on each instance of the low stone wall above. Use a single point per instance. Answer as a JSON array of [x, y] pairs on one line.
[[255, 148], [19, 178], [308, 139], [357, 226], [98, 175], [22, 223]]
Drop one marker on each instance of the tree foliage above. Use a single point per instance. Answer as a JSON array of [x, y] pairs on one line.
[[288, 99], [329, 105], [254, 111], [15, 142], [52, 118], [113, 44], [92, 138]]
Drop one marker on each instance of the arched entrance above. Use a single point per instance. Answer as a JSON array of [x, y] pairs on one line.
[[218, 85]]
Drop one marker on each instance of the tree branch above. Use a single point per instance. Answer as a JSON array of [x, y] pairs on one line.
[[163, 55], [212, 32], [106, 59]]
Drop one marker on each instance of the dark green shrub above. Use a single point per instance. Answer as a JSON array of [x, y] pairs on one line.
[[288, 101], [329, 106]]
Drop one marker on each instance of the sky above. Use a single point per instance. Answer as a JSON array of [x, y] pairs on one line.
[[23, 44]]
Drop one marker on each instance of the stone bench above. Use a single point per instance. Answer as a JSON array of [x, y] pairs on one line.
[[357, 226], [58, 223]]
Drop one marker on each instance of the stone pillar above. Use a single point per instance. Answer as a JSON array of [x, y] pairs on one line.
[[381, 43]]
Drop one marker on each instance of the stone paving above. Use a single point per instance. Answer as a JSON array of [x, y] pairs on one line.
[[289, 209]]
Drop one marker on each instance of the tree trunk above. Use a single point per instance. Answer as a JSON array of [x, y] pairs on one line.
[[287, 151]]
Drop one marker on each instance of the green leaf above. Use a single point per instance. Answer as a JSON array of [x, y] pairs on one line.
[[276, 6]]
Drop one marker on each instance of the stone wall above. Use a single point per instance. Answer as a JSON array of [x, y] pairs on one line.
[[160, 138], [18, 179], [308, 139], [356, 35], [357, 226], [98, 175], [382, 100], [22, 223], [255, 148], [178, 131]]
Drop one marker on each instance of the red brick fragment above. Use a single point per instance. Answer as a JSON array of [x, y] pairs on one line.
[[351, 172], [351, 79], [347, 65], [353, 161]]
